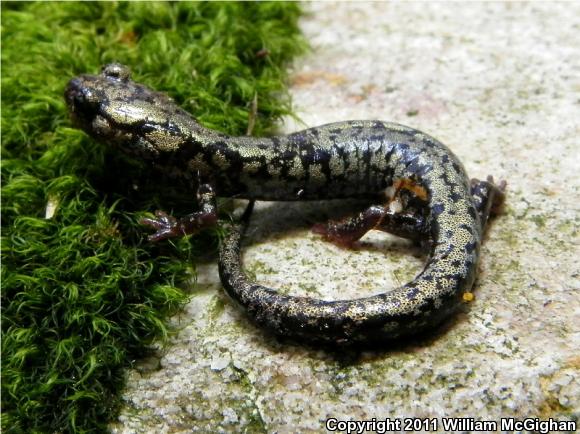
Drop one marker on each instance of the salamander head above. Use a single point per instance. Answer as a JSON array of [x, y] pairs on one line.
[[114, 109]]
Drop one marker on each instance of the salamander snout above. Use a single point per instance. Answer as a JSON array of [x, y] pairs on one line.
[[81, 100]]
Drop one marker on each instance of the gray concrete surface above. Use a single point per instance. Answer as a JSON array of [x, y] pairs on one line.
[[500, 85]]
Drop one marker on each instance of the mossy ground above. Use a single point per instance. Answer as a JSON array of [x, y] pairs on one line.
[[83, 293]]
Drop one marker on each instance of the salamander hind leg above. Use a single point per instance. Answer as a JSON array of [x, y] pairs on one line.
[[488, 196], [345, 233], [402, 216], [167, 226]]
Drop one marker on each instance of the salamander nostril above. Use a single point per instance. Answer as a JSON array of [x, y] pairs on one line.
[[81, 101], [74, 95]]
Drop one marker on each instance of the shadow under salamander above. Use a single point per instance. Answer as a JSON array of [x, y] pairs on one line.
[[272, 220]]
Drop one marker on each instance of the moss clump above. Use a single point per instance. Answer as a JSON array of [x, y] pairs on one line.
[[82, 292]]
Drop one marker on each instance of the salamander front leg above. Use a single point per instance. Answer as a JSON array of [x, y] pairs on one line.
[[169, 227], [344, 233]]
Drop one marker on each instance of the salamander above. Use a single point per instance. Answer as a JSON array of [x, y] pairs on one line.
[[416, 187]]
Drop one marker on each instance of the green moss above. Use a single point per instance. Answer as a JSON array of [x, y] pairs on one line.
[[82, 292], [312, 290], [539, 220], [260, 267], [217, 307], [256, 423]]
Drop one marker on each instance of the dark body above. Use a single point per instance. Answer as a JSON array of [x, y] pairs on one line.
[[341, 160], [354, 159]]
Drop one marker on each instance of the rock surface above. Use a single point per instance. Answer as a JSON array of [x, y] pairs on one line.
[[500, 85]]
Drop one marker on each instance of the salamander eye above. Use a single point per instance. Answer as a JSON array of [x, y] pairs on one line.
[[116, 71]]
